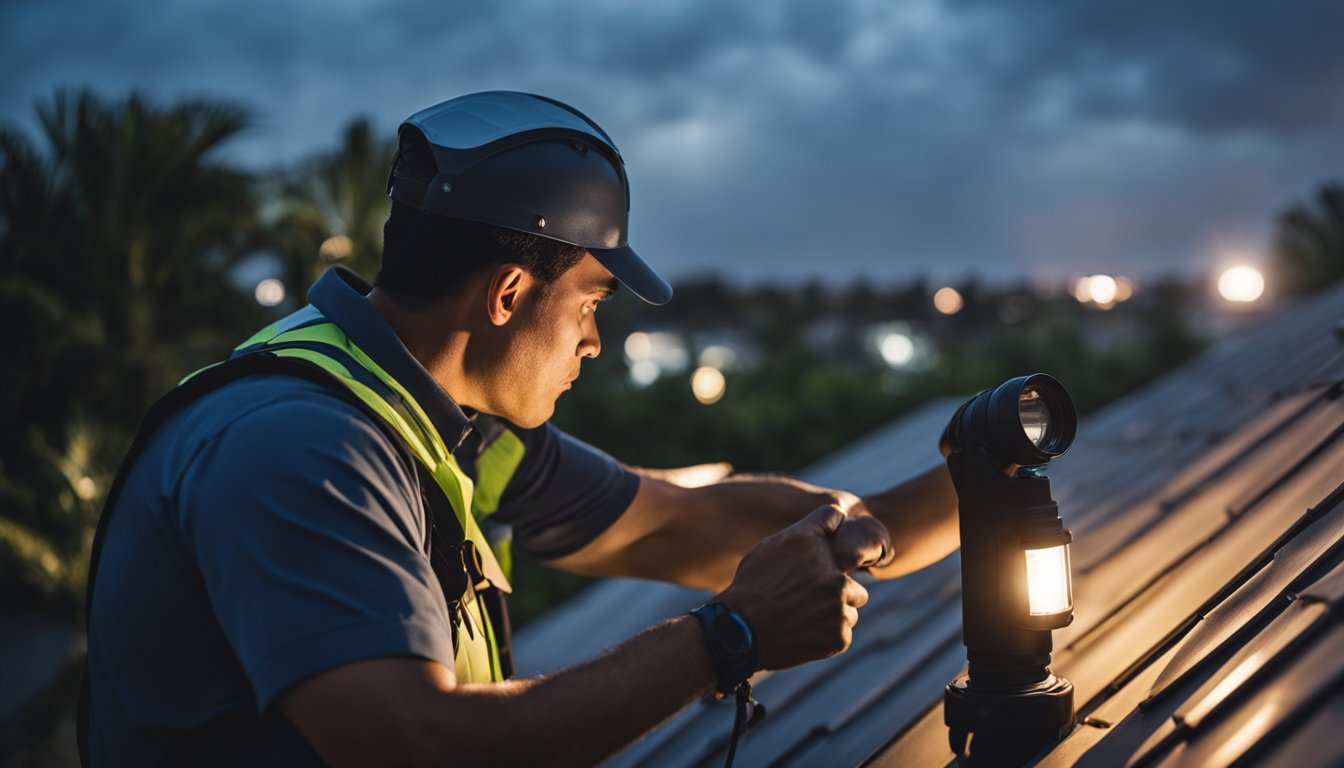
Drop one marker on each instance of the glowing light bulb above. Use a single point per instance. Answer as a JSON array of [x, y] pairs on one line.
[[1048, 590], [1241, 284]]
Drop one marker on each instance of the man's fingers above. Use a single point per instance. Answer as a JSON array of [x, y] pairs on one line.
[[827, 519], [854, 593], [861, 542]]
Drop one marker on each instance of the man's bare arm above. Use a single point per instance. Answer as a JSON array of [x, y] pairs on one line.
[[696, 536], [792, 590]]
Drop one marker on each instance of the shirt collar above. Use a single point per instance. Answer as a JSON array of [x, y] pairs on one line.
[[341, 296]]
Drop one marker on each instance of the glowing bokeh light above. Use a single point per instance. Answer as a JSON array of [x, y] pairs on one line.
[[1102, 289], [897, 349], [1124, 289], [1241, 284], [270, 292], [638, 346], [336, 248], [85, 488], [708, 385], [1082, 289], [948, 300], [645, 372]]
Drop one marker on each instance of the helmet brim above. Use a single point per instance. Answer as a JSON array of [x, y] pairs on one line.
[[630, 269]]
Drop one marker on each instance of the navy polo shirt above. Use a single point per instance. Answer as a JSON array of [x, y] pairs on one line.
[[270, 531]]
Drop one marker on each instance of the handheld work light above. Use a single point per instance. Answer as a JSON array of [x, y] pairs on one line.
[[1015, 578]]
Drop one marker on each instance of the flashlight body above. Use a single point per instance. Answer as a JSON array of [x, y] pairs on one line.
[[1001, 519]]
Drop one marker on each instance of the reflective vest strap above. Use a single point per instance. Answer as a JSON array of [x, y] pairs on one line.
[[329, 333], [494, 468], [447, 474]]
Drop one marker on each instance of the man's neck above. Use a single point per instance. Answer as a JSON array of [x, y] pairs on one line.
[[435, 337]]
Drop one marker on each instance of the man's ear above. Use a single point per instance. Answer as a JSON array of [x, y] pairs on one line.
[[507, 285]]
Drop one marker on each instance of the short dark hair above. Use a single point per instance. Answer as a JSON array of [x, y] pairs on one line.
[[426, 257]]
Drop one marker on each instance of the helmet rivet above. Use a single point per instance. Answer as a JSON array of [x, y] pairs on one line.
[[447, 187], [541, 222]]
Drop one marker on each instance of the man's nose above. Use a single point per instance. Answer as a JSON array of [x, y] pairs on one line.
[[591, 343]]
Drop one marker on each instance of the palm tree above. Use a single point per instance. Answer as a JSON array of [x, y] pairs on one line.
[[332, 208], [117, 233], [1309, 244]]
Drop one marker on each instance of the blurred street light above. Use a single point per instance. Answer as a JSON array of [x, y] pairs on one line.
[[897, 349], [270, 292], [948, 300], [1241, 284], [708, 385], [1102, 288]]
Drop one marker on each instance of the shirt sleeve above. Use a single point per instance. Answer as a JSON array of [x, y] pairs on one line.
[[564, 493], [309, 536]]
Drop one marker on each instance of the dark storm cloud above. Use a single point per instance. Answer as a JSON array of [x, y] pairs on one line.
[[800, 137], [1213, 67]]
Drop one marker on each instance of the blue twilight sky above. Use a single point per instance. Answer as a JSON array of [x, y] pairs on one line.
[[797, 138]]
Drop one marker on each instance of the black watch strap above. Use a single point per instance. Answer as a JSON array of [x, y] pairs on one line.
[[731, 644]]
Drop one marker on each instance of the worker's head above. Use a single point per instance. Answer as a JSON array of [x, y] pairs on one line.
[[527, 164], [520, 201]]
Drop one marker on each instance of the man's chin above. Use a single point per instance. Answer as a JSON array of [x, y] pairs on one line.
[[535, 418]]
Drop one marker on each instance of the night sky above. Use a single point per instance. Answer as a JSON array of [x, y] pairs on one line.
[[877, 138]]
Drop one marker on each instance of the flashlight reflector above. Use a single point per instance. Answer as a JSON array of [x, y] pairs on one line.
[[1048, 586], [1034, 415]]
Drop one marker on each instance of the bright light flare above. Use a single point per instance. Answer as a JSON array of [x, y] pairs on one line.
[[270, 292], [708, 385], [1241, 284], [1102, 288], [897, 349], [1124, 289], [1048, 590], [948, 300]]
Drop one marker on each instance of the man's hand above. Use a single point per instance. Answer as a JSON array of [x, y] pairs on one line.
[[794, 590]]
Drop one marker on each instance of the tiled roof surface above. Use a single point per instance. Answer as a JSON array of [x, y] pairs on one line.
[[1209, 525]]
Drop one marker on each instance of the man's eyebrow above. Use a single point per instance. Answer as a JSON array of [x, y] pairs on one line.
[[608, 287]]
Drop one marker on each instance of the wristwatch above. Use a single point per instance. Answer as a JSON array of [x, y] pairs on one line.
[[731, 644]]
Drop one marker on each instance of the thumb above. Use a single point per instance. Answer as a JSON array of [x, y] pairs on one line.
[[826, 519]]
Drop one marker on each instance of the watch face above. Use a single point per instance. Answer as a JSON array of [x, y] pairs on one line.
[[733, 635]]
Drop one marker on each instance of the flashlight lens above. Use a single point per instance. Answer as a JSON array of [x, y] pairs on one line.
[[1034, 415]]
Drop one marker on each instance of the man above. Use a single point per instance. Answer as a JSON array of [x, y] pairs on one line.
[[292, 564]]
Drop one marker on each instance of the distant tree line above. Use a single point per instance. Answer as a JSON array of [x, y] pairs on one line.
[[123, 229]]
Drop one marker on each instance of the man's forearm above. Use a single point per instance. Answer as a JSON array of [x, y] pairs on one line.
[[409, 711], [585, 713], [921, 517], [696, 536]]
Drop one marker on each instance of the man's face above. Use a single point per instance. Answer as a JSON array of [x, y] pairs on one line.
[[552, 329]]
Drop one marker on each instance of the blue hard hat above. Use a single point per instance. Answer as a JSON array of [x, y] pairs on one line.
[[526, 163]]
